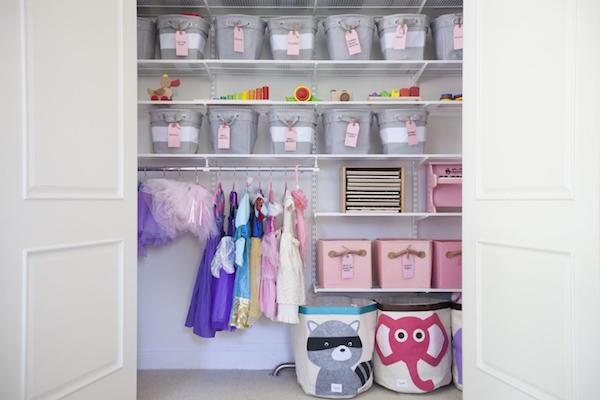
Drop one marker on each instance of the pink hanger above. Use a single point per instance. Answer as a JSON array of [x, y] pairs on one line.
[[297, 176]]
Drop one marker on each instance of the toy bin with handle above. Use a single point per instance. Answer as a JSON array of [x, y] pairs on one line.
[[175, 131], [349, 36], [233, 130], [403, 36], [292, 37], [413, 344], [447, 264], [444, 186], [146, 38], [182, 36], [457, 356], [333, 346], [347, 131], [445, 28], [402, 131], [344, 263], [403, 264], [239, 36], [292, 130]]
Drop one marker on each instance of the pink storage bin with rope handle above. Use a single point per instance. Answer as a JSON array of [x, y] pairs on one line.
[[403, 264], [447, 264], [344, 263]]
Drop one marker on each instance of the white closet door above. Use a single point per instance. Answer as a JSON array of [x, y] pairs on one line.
[[68, 199], [531, 200]]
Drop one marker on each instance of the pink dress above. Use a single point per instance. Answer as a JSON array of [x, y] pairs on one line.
[[270, 262]]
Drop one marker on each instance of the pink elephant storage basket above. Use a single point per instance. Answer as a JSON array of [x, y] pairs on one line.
[[447, 264], [444, 187], [344, 263], [404, 264], [413, 352]]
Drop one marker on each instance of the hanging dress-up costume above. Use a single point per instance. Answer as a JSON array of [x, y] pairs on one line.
[[240, 309], [150, 232], [270, 262], [255, 239], [223, 271], [290, 277], [300, 203], [199, 312]]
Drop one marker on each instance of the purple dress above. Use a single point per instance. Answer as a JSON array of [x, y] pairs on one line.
[[149, 231], [222, 289], [199, 312]]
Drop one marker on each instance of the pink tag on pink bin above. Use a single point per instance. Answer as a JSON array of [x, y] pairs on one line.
[[352, 134], [290, 139], [408, 266], [238, 39], [174, 135], [411, 131], [400, 37], [293, 44], [348, 266], [458, 37], [223, 137], [352, 42], [181, 43]]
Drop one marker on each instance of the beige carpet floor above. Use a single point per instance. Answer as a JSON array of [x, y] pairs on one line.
[[248, 385]]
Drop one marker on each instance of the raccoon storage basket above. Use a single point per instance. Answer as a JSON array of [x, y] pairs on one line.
[[233, 130], [239, 36], [413, 351], [333, 346], [403, 36], [292, 38], [457, 353], [349, 36], [175, 131], [182, 36], [292, 130], [146, 38]]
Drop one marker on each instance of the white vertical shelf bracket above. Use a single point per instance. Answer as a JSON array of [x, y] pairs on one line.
[[315, 6], [208, 10], [314, 79], [423, 3], [415, 198], [211, 77], [313, 228], [417, 76]]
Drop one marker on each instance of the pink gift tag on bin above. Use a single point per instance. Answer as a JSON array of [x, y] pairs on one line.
[[400, 37], [293, 44], [238, 39], [223, 137], [408, 266], [411, 131], [352, 42], [348, 266], [352, 134], [290, 139], [458, 37], [181, 43], [174, 135]]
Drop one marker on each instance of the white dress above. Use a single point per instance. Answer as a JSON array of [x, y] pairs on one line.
[[290, 276]]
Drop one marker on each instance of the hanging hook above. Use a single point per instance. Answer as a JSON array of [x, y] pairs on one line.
[[145, 174], [179, 174], [197, 177], [164, 173], [297, 171], [233, 183]]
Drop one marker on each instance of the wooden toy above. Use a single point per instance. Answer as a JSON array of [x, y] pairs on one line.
[[403, 94], [302, 94], [165, 92], [340, 95]]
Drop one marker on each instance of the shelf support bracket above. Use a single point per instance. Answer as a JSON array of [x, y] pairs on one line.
[[422, 7], [417, 76]]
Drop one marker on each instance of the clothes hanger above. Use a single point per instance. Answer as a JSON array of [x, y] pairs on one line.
[[297, 171], [233, 182]]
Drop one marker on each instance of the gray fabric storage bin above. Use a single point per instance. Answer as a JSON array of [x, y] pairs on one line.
[[146, 38], [335, 123], [304, 122], [417, 28], [443, 36], [197, 33], [280, 27], [243, 126], [335, 30], [392, 130], [189, 121], [254, 32]]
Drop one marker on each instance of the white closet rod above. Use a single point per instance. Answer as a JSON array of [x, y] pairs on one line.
[[225, 169]]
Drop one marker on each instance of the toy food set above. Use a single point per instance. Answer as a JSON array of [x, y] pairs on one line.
[[410, 94]]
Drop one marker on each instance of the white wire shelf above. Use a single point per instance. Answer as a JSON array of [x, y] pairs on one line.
[[418, 215], [380, 290]]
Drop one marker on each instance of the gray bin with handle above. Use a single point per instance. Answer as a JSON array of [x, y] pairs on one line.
[[443, 36], [336, 123], [336, 27], [253, 30], [243, 126], [146, 38], [196, 29], [279, 29], [417, 26], [393, 132], [303, 121], [189, 124]]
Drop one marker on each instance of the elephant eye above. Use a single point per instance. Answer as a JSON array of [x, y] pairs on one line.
[[418, 335], [349, 344], [401, 335], [326, 344]]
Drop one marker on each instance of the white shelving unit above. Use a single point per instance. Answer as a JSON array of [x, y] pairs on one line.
[[380, 290]]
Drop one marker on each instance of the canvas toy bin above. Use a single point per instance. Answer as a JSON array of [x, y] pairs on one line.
[[457, 364], [302, 121], [146, 38], [333, 346], [447, 264], [243, 125], [393, 130], [413, 344], [196, 29], [417, 28], [403, 263], [336, 27], [280, 28], [189, 123], [344, 263], [336, 122], [443, 36], [253, 30]]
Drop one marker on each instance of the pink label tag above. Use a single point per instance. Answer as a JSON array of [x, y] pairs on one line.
[[290, 139], [224, 137], [238, 39], [348, 266], [400, 37], [408, 266], [352, 42], [174, 135], [352, 134], [293, 44], [411, 131], [181, 43], [458, 37]]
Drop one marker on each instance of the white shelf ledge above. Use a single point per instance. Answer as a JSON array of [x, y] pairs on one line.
[[380, 290], [420, 215]]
